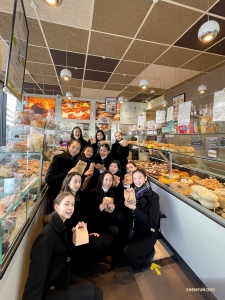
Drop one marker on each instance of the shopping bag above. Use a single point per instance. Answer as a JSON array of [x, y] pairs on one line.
[[80, 236]]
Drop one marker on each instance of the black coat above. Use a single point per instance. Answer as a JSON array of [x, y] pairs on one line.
[[50, 261], [57, 171], [106, 161], [146, 214], [97, 220], [120, 153]]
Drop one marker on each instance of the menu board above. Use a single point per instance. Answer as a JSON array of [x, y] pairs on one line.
[[219, 106], [160, 116], [75, 109], [101, 112], [169, 115], [16, 63], [41, 106], [141, 120], [184, 113], [176, 102]]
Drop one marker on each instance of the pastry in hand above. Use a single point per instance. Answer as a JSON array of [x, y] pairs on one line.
[[128, 179]]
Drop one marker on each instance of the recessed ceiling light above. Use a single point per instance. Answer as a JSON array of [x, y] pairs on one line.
[[53, 3]]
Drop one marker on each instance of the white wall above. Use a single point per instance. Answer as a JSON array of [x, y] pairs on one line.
[[196, 238]]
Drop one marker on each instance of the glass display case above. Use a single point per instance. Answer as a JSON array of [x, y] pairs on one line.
[[194, 174], [20, 188]]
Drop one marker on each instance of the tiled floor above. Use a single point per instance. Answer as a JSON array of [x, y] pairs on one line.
[[172, 284]]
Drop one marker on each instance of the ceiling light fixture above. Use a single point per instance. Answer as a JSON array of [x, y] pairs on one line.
[[65, 73], [202, 88], [69, 95], [164, 103], [209, 30], [144, 82], [152, 92], [121, 99], [53, 3]]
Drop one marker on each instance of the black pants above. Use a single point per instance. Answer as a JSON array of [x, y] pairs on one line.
[[137, 251], [78, 290]]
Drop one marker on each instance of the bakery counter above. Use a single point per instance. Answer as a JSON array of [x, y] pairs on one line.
[[196, 234]]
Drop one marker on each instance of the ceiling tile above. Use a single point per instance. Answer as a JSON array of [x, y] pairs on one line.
[[144, 51], [5, 25], [203, 62], [32, 91], [197, 4], [91, 93], [120, 78], [134, 89], [135, 100], [52, 92], [38, 54], [74, 90], [219, 48], [119, 17], [190, 38], [64, 14], [162, 23], [114, 87], [46, 79], [108, 45], [76, 73], [49, 87], [65, 37], [96, 76], [127, 95], [219, 9], [216, 67], [70, 59], [40, 69], [72, 82], [148, 91], [100, 64], [130, 68], [28, 78], [93, 84], [176, 57], [30, 85], [35, 34]]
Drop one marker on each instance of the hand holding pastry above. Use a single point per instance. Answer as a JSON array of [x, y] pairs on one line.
[[74, 169], [102, 206], [130, 206], [88, 172], [95, 234], [111, 207], [92, 140], [123, 143]]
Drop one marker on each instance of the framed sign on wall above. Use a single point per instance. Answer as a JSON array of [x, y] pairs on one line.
[[176, 101], [110, 105]]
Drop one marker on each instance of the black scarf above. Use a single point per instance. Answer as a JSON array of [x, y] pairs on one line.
[[139, 192]]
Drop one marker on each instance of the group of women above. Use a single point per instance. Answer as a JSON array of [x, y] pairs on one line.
[[123, 230]]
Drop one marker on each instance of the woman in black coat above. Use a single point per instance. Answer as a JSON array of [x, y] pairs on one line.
[[49, 273], [60, 166], [145, 217], [98, 244], [76, 134], [120, 150], [101, 216], [95, 142]]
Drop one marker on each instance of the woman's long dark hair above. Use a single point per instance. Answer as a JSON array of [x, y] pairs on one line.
[[81, 135], [103, 133], [119, 172], [82, 155], [65, 185], [98, 189]]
